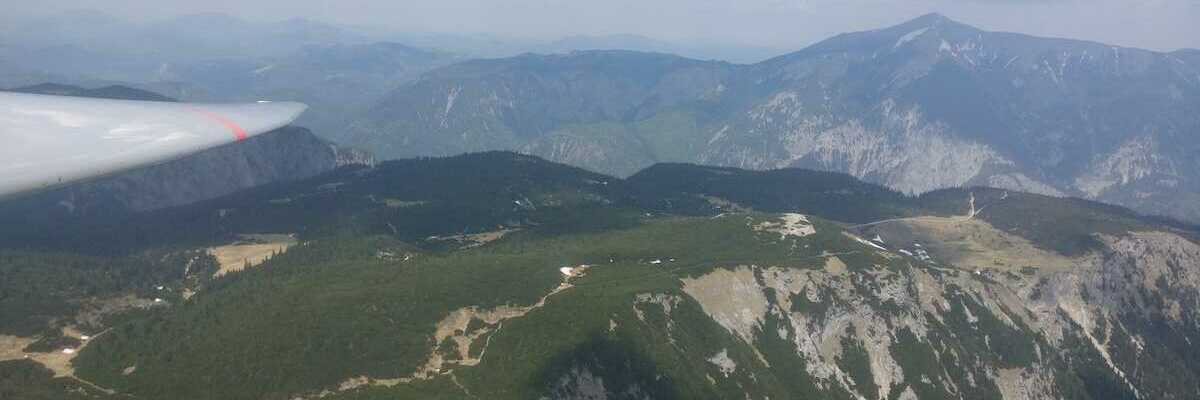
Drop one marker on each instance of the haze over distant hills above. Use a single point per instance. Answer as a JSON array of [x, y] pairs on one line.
[[338, 70], [928, 104], [215, 57], [495, 46], [186, 37]]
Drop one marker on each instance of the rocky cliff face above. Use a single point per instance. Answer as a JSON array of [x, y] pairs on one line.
[[924, 105], [1115, 323], [346, 156]]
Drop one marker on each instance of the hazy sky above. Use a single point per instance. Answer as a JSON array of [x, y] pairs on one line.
[[1155, 24]]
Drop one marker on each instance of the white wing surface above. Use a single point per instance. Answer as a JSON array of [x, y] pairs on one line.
[[47, 141]]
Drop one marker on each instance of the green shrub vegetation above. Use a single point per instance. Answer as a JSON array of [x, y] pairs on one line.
[[380, 263]]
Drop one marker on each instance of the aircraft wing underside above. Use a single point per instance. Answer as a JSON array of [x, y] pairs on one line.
[[47, 140]]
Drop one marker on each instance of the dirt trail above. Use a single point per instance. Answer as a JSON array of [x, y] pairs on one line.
[[456, 329]]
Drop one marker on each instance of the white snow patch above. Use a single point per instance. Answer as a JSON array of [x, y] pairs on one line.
[[451, 97], [1010, 61], [910, 37], [864, 241], [720, 134], [945, 47]]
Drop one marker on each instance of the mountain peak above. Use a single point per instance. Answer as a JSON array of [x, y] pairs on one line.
[[917, 30], [204, 20], [932, 17], [932, 20]]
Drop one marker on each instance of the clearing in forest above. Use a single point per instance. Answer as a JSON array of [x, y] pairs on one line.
[[251, 250]]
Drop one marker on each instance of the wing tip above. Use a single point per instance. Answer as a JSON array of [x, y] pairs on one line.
[[284, 112], [292, 109]]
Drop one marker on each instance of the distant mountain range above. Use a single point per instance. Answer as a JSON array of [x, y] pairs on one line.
[[190, 37], [497, 46], [927, 104], [337, 71], [336, 80], [702, 50]]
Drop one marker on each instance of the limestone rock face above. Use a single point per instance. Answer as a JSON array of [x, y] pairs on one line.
[[993, 333]]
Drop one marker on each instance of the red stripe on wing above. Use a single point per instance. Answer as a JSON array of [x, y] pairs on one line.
[[239, 134]]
